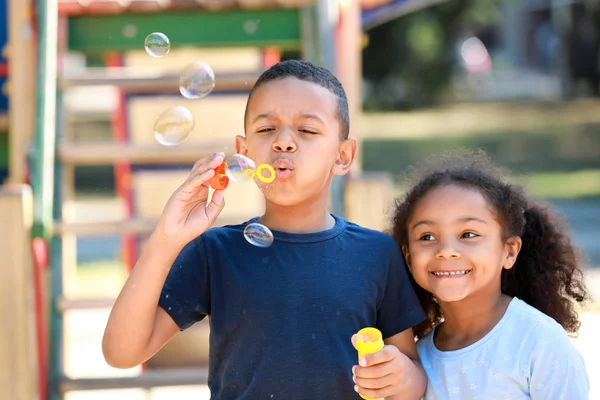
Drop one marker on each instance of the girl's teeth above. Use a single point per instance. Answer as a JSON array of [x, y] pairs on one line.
[[451, 273]]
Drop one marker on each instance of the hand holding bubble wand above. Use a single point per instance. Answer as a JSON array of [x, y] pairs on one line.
[[242, 168]]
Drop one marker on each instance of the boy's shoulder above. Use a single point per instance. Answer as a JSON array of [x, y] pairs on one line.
[[371, 236]]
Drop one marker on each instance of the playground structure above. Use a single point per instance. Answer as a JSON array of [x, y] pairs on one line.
[[39, 232]]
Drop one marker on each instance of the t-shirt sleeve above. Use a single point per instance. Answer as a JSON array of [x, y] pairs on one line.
[[399, 308], [185, 295], [557, 369]]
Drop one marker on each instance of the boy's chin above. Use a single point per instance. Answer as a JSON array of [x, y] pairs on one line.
[[281, 197]]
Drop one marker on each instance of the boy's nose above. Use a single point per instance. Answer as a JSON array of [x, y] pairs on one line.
[[284, 142]]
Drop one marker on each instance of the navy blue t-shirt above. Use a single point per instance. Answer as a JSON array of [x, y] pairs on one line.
[[281, 317]]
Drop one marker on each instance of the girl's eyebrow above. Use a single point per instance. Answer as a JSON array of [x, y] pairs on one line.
[[461, 220]]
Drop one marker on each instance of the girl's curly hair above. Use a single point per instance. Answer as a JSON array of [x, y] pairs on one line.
[[546, 274]]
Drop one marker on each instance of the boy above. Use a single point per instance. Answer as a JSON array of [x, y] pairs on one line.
[[281, 317]]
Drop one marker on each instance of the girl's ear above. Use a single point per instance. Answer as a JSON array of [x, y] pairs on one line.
[[407, 257], [512, 246]]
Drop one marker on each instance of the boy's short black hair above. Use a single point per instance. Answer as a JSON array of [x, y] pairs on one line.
[[306, 71]]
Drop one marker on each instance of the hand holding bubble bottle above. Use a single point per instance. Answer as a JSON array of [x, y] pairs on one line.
[[368, 341]]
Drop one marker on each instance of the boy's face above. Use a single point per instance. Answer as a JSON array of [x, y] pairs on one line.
[[292, 125]]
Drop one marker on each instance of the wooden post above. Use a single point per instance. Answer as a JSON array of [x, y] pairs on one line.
[[349, 64], [18, 364], [21, 86], [369, 198]]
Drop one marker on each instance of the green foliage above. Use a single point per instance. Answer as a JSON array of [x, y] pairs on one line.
[[409, 61]]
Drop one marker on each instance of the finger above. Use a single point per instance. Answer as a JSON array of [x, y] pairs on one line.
[[214, 208], [377, 383], [208, 162], [374, 371], [376, 393], [386, 354], [194, 182], [353, 340]]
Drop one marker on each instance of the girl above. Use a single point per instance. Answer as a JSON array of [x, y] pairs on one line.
[[497, 277]]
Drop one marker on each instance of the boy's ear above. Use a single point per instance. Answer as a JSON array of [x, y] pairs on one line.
[[240, 145], [513, 247], [346, 156]]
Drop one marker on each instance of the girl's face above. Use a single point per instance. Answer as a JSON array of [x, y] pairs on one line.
[[455, 246]]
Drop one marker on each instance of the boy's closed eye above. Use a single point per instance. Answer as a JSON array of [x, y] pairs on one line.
[[309, 131]]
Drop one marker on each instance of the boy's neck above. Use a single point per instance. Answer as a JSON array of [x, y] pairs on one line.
[[469, 320], [302, 218]]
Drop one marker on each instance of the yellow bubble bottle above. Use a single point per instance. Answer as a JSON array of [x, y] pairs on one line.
[[368, 341]]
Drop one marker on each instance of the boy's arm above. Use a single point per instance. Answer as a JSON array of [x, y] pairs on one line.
[[392, 373], [137, 327]]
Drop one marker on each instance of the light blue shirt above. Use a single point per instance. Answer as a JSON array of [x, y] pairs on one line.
[[527, 355]]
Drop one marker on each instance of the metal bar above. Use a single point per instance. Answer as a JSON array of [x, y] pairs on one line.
[[229, 28], [45, 135], [111, 153], [147, 380], [139, 80], [57, 246]]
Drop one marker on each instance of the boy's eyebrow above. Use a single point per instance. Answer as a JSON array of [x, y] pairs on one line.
[[262, 116], [305, 116], [464, 219], [312, 116]]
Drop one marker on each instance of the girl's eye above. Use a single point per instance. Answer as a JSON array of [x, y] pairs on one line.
[[469, 235], [308, 131], [427, 237], [263, 130]]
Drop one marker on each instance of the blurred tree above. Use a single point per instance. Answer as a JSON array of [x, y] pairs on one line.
[[409, 62]]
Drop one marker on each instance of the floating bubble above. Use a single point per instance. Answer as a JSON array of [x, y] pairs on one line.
[[258, 235], [173, 126], [157, 44], [237, 165], [196, 81]]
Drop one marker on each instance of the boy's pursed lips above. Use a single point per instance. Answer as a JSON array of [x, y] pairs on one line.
[[283, 164], [283, 168]]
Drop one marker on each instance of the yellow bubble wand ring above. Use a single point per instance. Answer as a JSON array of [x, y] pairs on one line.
[[250, 173]]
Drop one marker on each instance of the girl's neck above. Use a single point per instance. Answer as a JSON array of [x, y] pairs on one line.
[[469, 320]]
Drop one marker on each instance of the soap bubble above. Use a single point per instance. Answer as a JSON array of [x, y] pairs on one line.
[[196, 81], [173, 126], [157, 44], [258, 235], [237, 165]]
